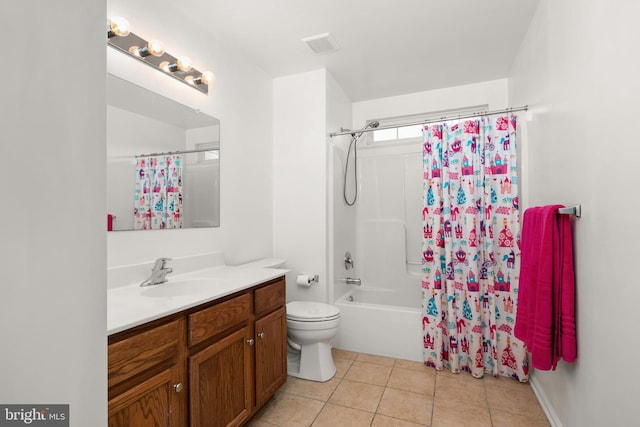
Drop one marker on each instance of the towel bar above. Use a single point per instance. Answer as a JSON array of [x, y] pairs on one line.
[[572, 210]]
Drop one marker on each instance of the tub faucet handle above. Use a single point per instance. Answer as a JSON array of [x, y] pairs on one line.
[[348, 261]]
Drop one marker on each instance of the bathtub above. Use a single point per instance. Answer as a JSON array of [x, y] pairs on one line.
[[380, 321]]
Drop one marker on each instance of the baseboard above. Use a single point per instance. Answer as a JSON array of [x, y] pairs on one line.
[[544, 402]]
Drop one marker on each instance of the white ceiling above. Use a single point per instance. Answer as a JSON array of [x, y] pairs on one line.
[[388, 47]]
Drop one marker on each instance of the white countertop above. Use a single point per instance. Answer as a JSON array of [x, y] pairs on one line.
[[132, 305]]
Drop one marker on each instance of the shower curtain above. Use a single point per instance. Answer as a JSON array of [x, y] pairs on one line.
[[470, 247], [158, 192]]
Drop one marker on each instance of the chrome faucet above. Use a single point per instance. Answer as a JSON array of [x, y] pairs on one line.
[[158, 273], [353, 281], [348, 261]]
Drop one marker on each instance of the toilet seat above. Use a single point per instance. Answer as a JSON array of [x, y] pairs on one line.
[[308, 311]]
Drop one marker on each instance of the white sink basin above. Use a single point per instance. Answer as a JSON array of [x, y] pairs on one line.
[[179, 287]]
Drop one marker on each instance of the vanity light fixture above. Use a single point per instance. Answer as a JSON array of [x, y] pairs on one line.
[[152, 53]]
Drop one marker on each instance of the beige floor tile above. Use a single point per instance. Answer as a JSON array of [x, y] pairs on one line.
[[384, 421], [415, 394], [335, 415], [451, 413], [312, 389], [342, 366], [357, 395], [257, 422], [289, 410], [521, 401], [491, 381], [413, 381], [286, 385], [368, 373], [460, 387], [378, 360], [343, 354], [414, 366], [506, 419], [406, 406]]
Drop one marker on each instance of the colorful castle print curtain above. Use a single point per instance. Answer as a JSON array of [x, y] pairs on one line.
[[470, 247], [158, 192]]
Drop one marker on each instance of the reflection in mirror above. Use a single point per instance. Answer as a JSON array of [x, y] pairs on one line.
[[163, 162]]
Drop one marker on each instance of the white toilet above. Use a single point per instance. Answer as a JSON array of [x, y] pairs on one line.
[[310, 328]]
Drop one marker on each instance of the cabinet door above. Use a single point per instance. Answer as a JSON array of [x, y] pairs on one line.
[[156, 402], [221, 381], [271, 355]]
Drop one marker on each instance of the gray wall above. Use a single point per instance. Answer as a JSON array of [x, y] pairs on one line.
[[52, 214]]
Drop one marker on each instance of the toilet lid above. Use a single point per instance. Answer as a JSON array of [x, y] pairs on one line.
[[307, 311]]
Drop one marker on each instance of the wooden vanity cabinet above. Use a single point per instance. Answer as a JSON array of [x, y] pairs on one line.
[[231, 378], [227, 358], [271, 341], [221, 363], [271, 355], [147, 376]]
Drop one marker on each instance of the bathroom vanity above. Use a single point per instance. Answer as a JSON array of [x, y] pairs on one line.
[[205, 363]]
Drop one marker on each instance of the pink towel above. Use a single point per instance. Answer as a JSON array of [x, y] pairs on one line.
[[545, 318]]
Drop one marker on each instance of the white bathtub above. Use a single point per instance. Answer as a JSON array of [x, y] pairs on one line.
[[379, 321]]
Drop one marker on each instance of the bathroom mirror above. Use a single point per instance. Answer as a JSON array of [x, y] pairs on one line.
[[163, 162]]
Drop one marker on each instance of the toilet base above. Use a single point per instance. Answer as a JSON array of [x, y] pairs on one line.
[[314, 362]]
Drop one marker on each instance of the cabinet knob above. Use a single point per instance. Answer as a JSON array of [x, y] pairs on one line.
[[261, 335], [250, 341], [177, 387]]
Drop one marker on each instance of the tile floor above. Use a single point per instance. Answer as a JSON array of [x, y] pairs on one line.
[[379, 392]]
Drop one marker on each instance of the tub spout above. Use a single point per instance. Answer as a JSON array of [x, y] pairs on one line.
[[353, 281]]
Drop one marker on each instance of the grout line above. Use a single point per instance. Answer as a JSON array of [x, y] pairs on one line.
[[486, 399], [433, 400]]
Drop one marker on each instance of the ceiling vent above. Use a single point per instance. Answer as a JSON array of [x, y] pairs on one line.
[[321, 44]]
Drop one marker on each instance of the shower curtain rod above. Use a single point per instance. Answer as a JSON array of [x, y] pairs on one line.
[[166, 153], [424, 122]]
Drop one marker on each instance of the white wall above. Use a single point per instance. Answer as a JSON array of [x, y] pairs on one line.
[[492, 93], [578, 71], [300, 180], [340, 229], [242, 100], [52, 221]]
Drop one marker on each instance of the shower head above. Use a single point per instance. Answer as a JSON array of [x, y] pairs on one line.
[[374, 124]]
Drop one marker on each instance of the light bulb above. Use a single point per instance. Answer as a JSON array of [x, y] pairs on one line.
[[184, 63], [155, 48], [119, 26], [208, 78], [135, 50]]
